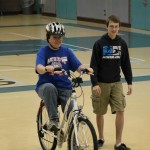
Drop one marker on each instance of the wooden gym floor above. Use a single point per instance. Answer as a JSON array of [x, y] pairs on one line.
[[20, 38]]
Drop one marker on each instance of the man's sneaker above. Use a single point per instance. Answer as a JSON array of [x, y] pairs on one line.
[[54, 125], [121, 147], [100, 143]]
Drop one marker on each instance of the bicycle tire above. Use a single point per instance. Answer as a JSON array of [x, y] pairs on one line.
[[91, 139], [47, 141]]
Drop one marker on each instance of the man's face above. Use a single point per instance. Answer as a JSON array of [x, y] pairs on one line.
[[113, 29], [55, 41]]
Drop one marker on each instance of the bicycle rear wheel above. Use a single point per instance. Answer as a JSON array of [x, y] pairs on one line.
[[47, 141], [86, 136]]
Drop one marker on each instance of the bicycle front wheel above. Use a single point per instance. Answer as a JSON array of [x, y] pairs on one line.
[[47, 141], [86, 136]]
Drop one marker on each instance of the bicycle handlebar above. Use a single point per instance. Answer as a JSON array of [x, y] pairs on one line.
[[75, 80], [57, 69], [83, 71], [86, 71]]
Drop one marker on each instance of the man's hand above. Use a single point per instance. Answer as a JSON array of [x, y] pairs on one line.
[[129, 89], [96, 90]]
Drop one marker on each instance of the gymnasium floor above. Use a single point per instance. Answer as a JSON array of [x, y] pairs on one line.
[[20, 38]]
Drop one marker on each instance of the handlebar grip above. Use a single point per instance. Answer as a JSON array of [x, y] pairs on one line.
[[85, 70], [57, 69]]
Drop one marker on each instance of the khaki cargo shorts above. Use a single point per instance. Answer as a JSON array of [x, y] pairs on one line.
[[111, 94]]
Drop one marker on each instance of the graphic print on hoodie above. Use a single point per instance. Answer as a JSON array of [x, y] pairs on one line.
[[111, 52]]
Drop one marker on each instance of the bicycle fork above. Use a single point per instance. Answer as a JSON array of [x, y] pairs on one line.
[[75, 123]]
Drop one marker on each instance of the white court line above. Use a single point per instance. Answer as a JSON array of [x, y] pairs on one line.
[[76, 46], [39, 38], [16, 69], [137, 59], [6, 70], [23, 35]]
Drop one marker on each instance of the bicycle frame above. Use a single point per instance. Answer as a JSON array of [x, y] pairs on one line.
[[73, 115], [71, 123]]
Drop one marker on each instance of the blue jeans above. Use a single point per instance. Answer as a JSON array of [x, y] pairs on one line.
[[51, 95]]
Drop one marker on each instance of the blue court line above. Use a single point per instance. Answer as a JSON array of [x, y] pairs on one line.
[[14, 26], [133, 39], [75, 43], [86, 83]]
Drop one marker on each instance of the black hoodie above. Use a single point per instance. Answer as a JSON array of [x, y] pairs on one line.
[[108, 57]]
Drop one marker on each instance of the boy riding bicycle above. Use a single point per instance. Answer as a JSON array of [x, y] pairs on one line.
[[51, 87]]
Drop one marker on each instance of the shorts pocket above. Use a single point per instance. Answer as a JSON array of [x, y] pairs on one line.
[[123, 100], [96, 102]]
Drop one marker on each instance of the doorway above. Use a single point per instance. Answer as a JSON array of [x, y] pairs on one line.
[[66, 9], [140, 14]]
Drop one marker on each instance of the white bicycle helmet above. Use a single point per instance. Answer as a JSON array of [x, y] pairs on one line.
[[55, 28]]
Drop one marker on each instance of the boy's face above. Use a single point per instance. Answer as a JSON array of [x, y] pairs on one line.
[[55, 41], [113, 29]]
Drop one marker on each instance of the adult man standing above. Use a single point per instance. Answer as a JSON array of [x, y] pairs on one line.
[[110, 55]]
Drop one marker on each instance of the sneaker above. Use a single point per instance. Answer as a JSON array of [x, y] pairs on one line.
[[54, 125], [121, 147], [100, 143]]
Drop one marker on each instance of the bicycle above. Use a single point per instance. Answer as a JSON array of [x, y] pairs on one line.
[[75, 128]]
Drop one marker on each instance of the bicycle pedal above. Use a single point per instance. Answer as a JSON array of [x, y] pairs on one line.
[[41, 134], [45, 127], [56, 132]]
